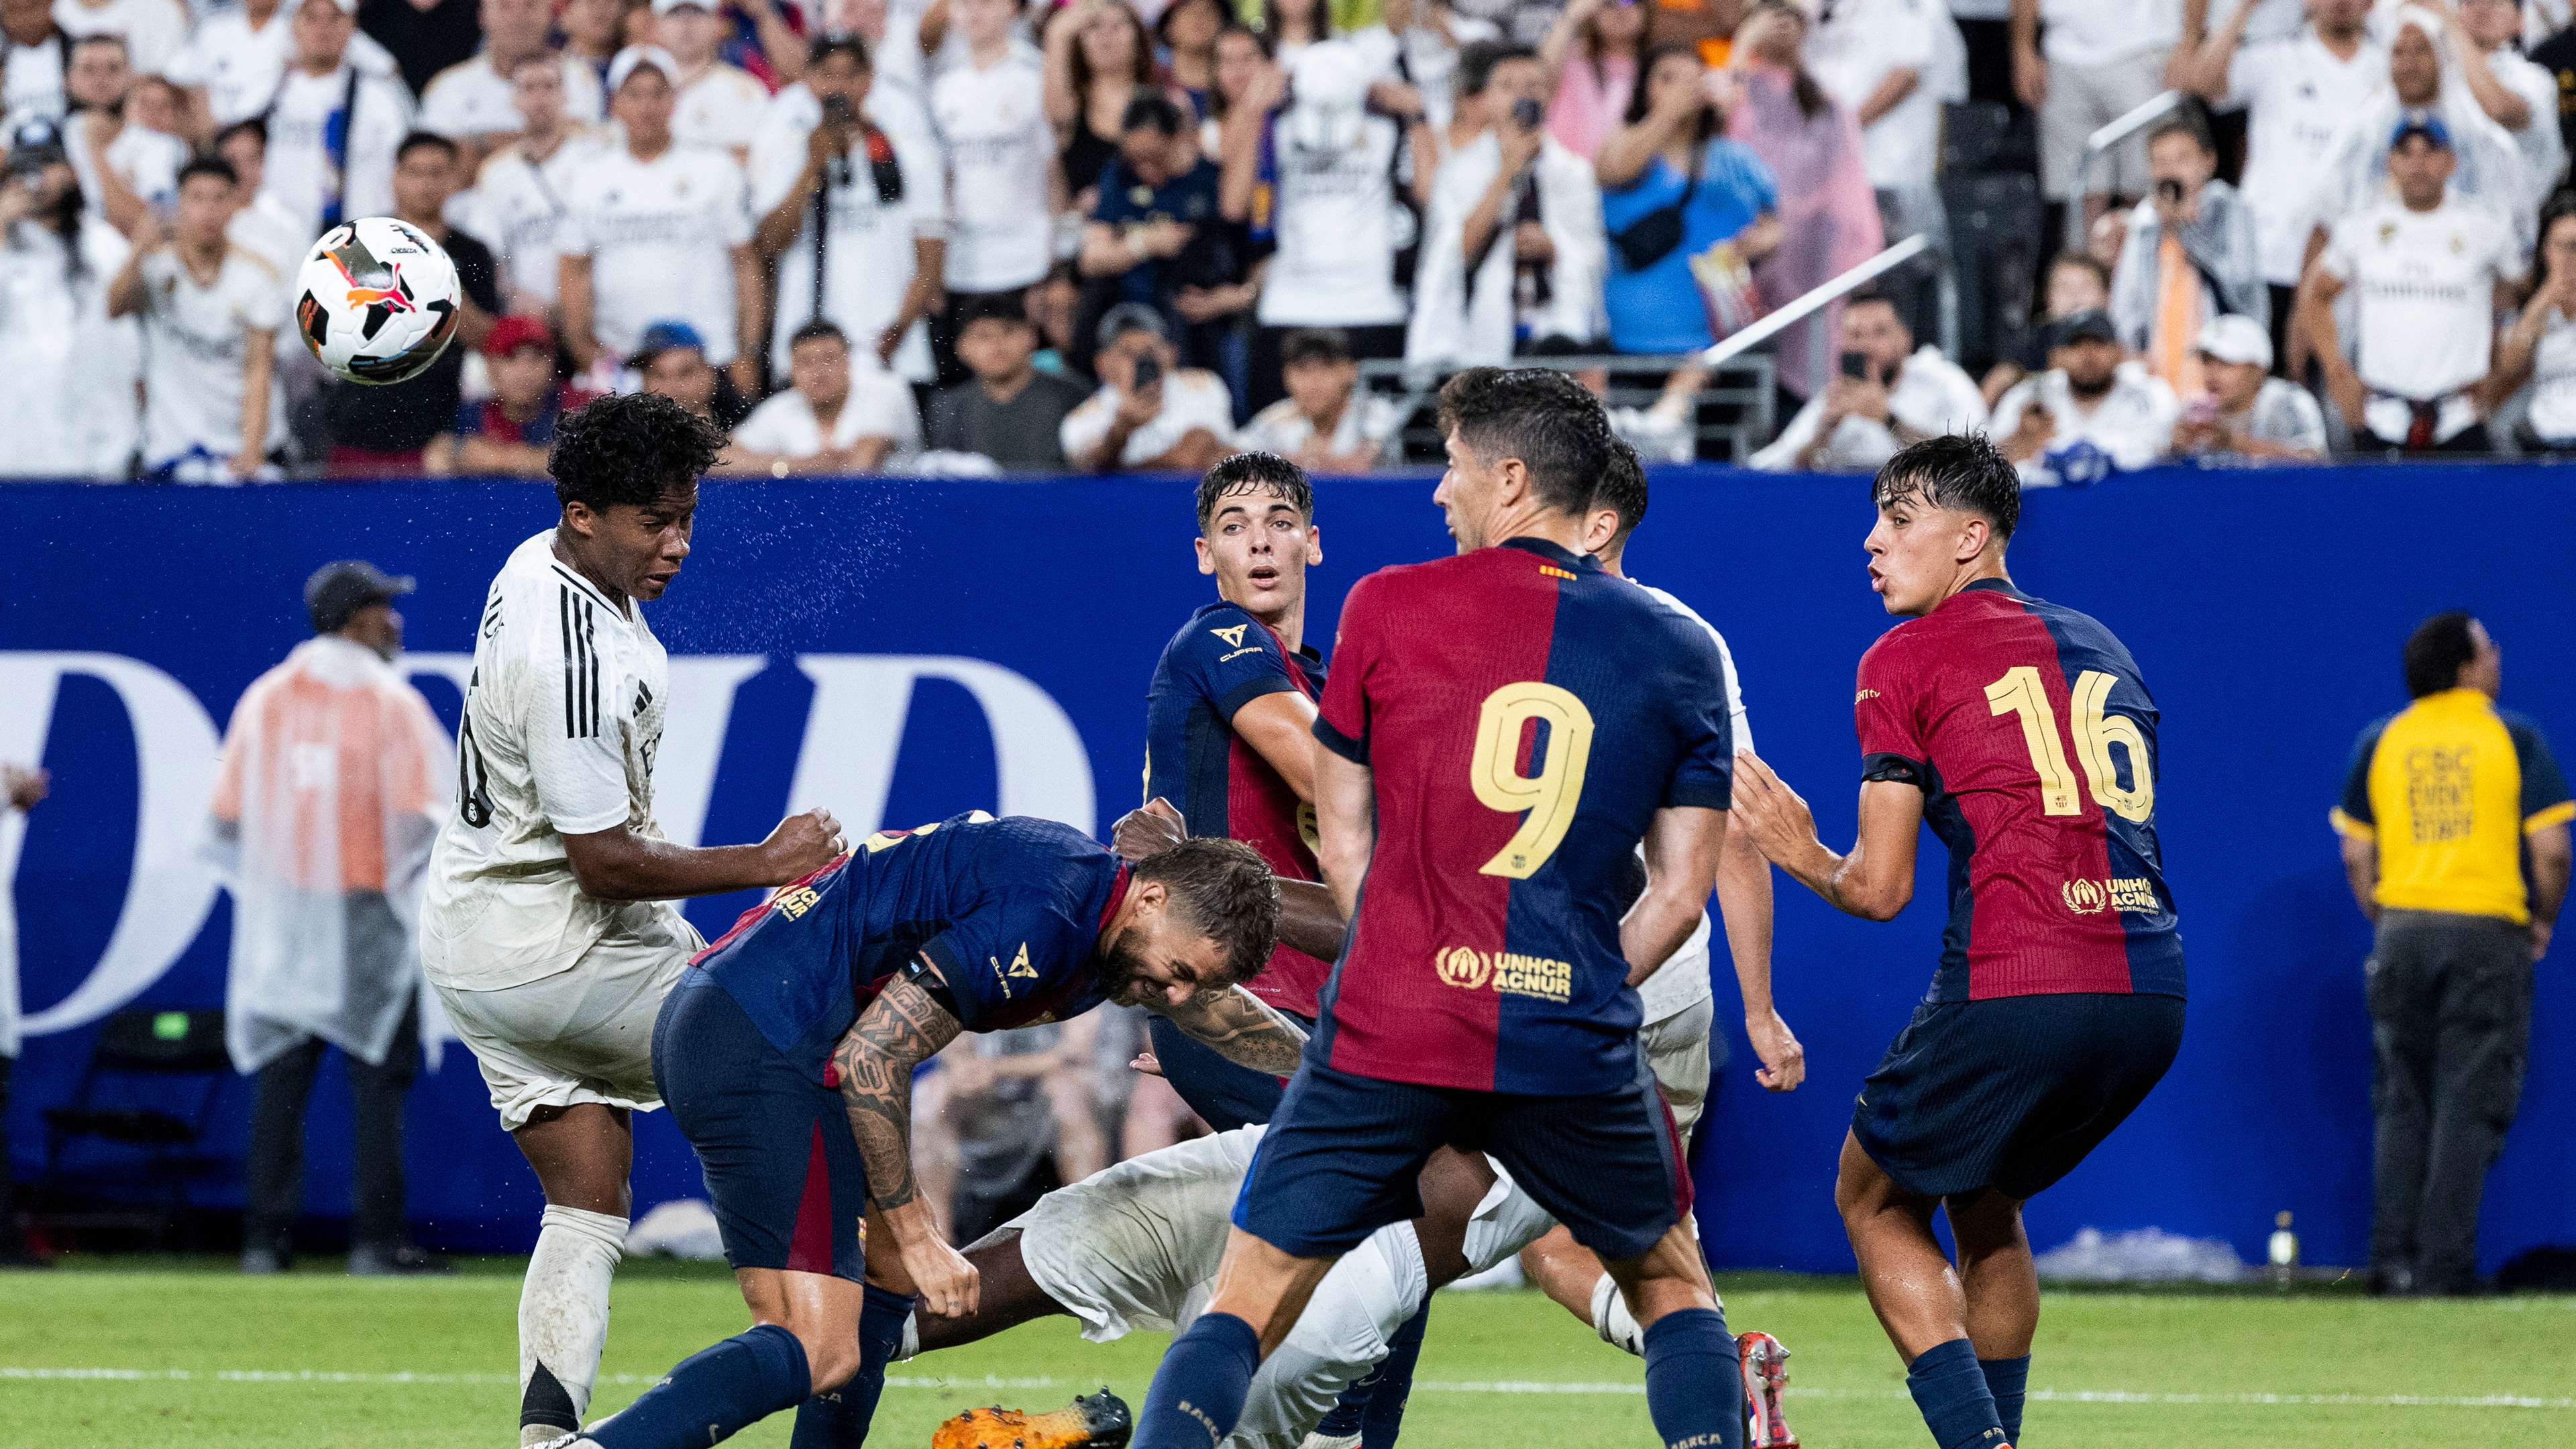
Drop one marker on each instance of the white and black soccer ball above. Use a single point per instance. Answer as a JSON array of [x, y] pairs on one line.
[[376, 300]]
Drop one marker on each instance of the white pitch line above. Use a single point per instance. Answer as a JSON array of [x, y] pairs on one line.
[[1435, 1386]]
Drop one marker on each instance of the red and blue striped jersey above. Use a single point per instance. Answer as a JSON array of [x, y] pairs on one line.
[[2033, 738], [1523, 715], [1222, 660], [1009, 910]]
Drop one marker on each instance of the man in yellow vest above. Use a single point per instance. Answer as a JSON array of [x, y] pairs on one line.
[[2454, 824]]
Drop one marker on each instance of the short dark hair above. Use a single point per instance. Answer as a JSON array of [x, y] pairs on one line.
[[1861, 295], [1314, 344], [2184, 122], [1962, 471], [1151, 108], [1623, 489], [2436, 651], [255, 127], [208, 164], [1223, 888], [1011, 307], [818, 328], [629, 447], [827, 46], [1476, 62], [99, 37], [418, 139], [1540, 416], [1254, 472]]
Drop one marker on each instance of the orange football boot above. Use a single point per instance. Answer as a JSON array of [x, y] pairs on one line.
[[1093, 1421]]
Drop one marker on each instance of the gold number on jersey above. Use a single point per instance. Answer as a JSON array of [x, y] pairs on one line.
[[2020, 692], [1550, 795]]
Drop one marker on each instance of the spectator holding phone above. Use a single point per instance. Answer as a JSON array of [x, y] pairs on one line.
[[1887, 393], [1147, 415], [1591, 60], [1513, 249], [2248, 414], [1673, 189], [2191, 255], [2540, 347]]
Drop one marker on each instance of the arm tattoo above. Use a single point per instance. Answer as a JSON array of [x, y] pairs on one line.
[[1242, 1029], [899, 1031]]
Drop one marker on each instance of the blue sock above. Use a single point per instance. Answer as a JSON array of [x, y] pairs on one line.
[[1950, 1388], [1694, 1391], [1199, 1391], [1373, 1408], [839, 1419], [2008, 1379], [714, 1393]]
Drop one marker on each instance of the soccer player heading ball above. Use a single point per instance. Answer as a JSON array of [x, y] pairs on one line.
[[2023, 734]]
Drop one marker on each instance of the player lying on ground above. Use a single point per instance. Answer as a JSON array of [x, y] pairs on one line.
[[548, 930], [1483, 1001], [2058, 1003], [787, 1054]]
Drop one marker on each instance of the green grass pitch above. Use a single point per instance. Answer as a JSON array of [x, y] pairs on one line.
[[166, 1354]]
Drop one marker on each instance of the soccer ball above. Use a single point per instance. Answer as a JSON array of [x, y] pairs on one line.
[[376, 300]]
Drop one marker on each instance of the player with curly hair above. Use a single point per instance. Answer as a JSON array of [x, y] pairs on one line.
[[548, 931]]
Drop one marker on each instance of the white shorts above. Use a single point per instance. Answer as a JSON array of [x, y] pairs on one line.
[[1139, 1246], [1677, 1051], [585, 1033]]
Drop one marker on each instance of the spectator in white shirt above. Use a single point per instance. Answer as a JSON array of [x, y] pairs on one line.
[[2249, 415], [68, 411], [719, 104], [1513, 245], [2428, 272], [2297, 91], [830, 419], [517, 202], [1149, 414], [853, 215], [474, 102], [2540, 347], [232, 65], [1333, 206], [2190, 254], [658, 230], [127, 172], [2515, 93], [1877, 58], [153, 30], [261, 224], [335, 124], [1004, 189], [211, 312], [1325, 424], [34, 53], [2089, 414], [593, 32], [2082, 64], [1887, 393], [2423, 82]]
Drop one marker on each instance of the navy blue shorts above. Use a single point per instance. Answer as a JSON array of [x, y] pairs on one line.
[[782, 1169], [2009, 1094], [1341, 1156], [1225, 1096]]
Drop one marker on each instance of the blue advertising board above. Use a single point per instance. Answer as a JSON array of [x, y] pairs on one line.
[[902, 650]]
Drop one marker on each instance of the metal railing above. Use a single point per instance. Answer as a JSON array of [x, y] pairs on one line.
[[1732, 415], [2139, 117]]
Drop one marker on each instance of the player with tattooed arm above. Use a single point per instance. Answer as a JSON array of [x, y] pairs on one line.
[[787, 1050]]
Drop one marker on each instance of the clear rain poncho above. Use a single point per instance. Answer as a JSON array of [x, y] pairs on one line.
[[330, 791]]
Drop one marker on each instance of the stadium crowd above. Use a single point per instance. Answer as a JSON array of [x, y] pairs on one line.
[[980, 235]]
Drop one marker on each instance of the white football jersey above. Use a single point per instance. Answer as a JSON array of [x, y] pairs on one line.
[[1682, 982], [563, 716]]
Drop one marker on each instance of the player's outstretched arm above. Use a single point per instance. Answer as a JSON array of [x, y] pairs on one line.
[[619, 865], [1873, 881], [1241, 1028], [899, 1031], [1744, 908]]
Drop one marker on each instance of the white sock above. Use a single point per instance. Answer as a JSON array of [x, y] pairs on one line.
[[563, 1305], [1612, 1320]]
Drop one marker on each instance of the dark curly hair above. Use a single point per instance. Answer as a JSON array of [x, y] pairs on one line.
[[1223, 888], [629, 447], [1254, 473], [1960, 471]]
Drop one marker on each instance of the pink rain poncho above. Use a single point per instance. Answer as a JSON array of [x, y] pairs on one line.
[[1828, 216]]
